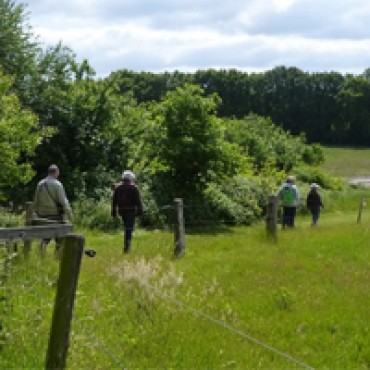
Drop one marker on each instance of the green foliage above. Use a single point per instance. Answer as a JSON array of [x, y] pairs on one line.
[[315, 174], [19, 138], [313, 154], [9, 218], [18, 51], [191, 147], [262, 140], [237, 200], [95, 215]]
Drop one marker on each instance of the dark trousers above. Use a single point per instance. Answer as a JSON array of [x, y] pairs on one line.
[[288, 216], [129, 225], [58, 241], [315, 211]]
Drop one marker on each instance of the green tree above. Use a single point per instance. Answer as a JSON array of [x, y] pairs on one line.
[[18, 50], [260, 139], [19, 137], [93, 122], [191, 147], [354, 100]]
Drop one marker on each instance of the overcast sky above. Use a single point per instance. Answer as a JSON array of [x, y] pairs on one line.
[[186, 35]]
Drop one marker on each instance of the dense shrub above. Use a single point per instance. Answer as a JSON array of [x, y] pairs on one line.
[[260, 139], [314, 174], [92, 214], [239, 201], [9, 218]]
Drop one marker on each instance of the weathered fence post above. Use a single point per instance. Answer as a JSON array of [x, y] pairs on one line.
[[27, 243], [361, 207], [179, 227], [64, 300], [272, 216]]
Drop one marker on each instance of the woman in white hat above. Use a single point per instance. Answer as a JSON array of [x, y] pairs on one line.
[[126, 199], [314, 203]]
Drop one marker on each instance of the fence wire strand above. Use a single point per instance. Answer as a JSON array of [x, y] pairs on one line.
[[223, 324], [100, 343]]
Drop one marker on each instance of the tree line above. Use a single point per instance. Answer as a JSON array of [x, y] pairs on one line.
[[330, 108], [215, 138]]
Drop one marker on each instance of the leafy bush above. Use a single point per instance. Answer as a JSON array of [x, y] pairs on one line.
[[92, 214], [153, 214], [314, 174], [238, 201], [313, 154], [9, 219], [259, 138]]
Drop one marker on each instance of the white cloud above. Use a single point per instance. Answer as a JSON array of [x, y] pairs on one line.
[[187, 35]]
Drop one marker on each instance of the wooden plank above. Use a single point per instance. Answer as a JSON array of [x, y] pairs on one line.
[[64, 300], [36, 232]]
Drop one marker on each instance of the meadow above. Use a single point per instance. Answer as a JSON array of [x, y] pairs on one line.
[[235, 300], [305, 295], [347, 162]]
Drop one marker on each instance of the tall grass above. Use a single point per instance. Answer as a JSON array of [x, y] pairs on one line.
[[306, 295]]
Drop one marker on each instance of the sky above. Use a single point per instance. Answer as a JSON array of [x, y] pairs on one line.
[[188, 35]]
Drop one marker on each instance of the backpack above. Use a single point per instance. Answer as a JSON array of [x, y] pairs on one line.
[[288, 196]]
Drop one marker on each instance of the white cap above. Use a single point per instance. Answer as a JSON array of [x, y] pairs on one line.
[[128, 175], [314, 185]]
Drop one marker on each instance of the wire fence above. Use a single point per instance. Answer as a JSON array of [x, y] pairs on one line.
[[200, 314], [192, 224], [100, 343]]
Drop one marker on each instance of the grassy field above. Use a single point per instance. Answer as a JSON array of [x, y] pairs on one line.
[[347, 162], [305, 295]]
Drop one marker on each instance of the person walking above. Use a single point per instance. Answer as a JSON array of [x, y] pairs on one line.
[[289, 197], [314, 203], [51, 203], [126, 199]]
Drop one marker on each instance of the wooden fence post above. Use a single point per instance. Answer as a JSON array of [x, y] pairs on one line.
[[27, 243], [272, 216], [179, 227], [64, 300], [361, 207]]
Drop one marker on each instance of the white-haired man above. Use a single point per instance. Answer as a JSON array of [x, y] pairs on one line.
[[126, 198]]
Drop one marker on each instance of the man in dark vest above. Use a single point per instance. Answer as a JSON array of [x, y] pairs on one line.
[[126, 199]]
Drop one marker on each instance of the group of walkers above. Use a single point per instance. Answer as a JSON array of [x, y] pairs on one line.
[[289, 198], [51, 203]]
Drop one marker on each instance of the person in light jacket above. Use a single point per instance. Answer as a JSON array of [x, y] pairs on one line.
[[289, 197], [50, 201]]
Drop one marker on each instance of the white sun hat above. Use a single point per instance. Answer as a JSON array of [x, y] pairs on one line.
[[128, 175]]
